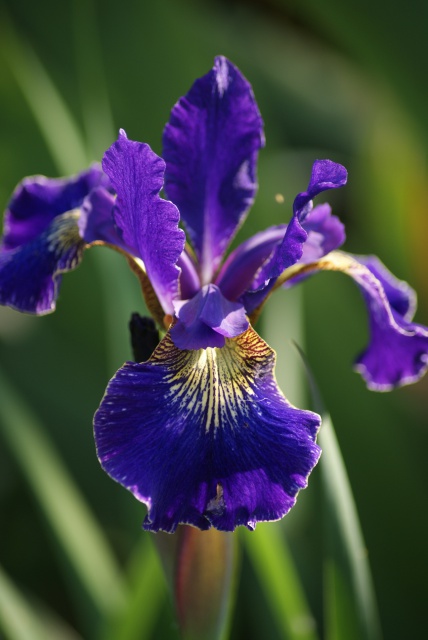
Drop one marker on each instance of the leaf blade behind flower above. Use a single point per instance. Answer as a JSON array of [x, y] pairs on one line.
[[68, 515], [271, 558]]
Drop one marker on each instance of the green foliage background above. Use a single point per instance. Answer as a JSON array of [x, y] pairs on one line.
[[339, 80]]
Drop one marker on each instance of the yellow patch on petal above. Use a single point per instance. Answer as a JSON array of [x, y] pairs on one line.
[[216, 383]]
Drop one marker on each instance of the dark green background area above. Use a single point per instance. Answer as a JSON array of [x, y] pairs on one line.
[[343, 80]]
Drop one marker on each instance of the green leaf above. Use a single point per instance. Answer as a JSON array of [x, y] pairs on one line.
[[21, 620], [97, 116], [349, 597], [64, 507], [61, 133], [271, 558], [146, 596], [349, 578]]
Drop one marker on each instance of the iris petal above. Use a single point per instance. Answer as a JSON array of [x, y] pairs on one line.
[[96, 221], [325, 175], [38, 200], [397, 353], [401, 296], [149, 225], [207, 319], [206, 437], [30, 274], [210, 149]]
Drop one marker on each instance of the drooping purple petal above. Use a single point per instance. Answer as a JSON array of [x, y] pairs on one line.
[[38, 200], [397, 352], [30, 274], [149, 225], [210, 147], [400, 295], [206, 437], [207, 319]]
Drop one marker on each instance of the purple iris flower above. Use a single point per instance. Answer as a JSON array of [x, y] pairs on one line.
[[200, 432]]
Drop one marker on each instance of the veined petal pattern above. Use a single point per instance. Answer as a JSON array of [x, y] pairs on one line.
[[205, 437]]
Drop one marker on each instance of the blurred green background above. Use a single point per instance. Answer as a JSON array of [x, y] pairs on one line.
[[343, 80]]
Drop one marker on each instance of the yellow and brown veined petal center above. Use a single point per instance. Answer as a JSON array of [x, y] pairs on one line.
[[205, 437], [216, 383]]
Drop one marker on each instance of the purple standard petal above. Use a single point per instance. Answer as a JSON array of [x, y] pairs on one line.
[[190, 282], [325, 233], [206, 437], [325, 175], [239, 270], [38, 200], [207, 319], [149, 225], [210, 147], [30, 274]]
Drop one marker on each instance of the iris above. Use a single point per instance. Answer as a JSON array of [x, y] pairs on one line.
[[200, 432]]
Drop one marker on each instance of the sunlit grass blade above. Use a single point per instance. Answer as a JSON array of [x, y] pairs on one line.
[[273, 563], [64, 507], [146, 595], [95, 101], [349, 597], [22, 620], [348, 578], [53, 117]]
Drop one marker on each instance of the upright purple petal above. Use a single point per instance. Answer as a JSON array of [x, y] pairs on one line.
[[325, 233], [325, 175], [30, 275], [206, 437], [239, 270], [149, 225], [210, 148], [38, 200], [239, 273]]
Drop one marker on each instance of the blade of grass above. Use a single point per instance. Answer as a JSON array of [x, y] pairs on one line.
[[271, 558], [17, 619], [349, 566], [348, 581], [64, 507], [147, 594], [95, 101], [21, 620], [61, 133]]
